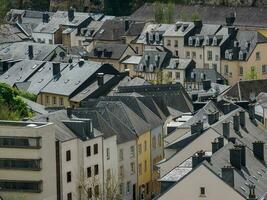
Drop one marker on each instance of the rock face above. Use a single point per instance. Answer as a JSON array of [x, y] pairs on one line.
[[81, 5]]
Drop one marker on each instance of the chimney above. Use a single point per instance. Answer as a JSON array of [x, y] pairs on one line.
[[231, 30], [46, 17], [226, 108], [251, 110], [243, 153], [30, 51], [228, 175], [197, 128], [56, 69], [226, 129], [213, 117], [20, 19], [232, 140], [215, 146], [88, 126], [147, 37], [194, 97], [242, 115], [252, 195], [258, 150], [198, 158], [69, 112], [221, 141], [100, 79], [206, 84], [235, 157], [71, 14], [198, 23], [236, 122], [230, 19], [220, 81]]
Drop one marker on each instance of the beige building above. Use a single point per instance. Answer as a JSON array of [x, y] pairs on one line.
[[27, 161]]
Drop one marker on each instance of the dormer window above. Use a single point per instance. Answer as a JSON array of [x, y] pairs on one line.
[[197, 41], [141, 67], [156, 58], [157, 37], [241, 55], [150, 36], [207, 41], [230, 56], [226, 54], [215, 41], [151, 67], [190, 41]]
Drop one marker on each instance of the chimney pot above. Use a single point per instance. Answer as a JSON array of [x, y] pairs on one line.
[[243, 153], [235, 157], [258, 150], [100, 79]]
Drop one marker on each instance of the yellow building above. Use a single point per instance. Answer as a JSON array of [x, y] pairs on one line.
[[246, 59], [144, 165]]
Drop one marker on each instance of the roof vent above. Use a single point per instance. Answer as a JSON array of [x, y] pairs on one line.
[[81, 62]]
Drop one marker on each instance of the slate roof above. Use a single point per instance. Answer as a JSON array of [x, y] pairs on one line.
[[245, 16], [116, 51], [71, 78], [35, 107], [180, 64], [184, 29], [21, 71], [10, 33], [246, 90], [211, 74], [19, 51], [135, 60]]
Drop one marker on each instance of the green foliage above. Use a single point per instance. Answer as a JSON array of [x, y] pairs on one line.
[[252, 74], [5, 6], [163, 13], [11, 105]]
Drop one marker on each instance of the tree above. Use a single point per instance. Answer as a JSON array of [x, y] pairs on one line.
[[5, 6], [252, 74]]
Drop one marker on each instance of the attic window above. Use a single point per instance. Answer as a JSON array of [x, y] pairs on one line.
[[197, 41], [77, 83], [101, 31], [259, 173], [19, 78], [241, 57], [202, 191], [7, 77], [255, 177], [226, 54], [85, 91], [41, 80], [207, 40], [41, 69], [242, 188], [215, 41], [190, 41], [66, 81]]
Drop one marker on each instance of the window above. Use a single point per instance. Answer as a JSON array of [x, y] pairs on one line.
[[241, 55], [197, 42], [96, 169], [125, 66], [88, 151], [68, 177], [187, 54], [108, 153], [140, 168], [68, 155], [50, 41], [209, 55], [147, 188], [47, 100], [89, 172], [137, 50], [21, 164], [108, 174], [190, 41], [121, 154], [132, 167], [54, 100], [19, 142], [159, 140], [176, 53], [97, 190], [154, 142], [216, 57], [132, 149], [145, 166], [264, 69], [69, 196], [139, 148], [121, 171], [200, 56], [226, 69], [90, 193], [21, 186], [145, 145], [241, 71], [176, 43], [194, 55], [258, 56], [128, 187], [61, 102], [202, 191], [169, 75], [168, 42], [95, 149], [177, 75]]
